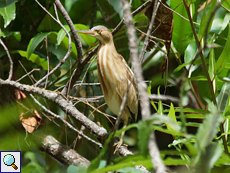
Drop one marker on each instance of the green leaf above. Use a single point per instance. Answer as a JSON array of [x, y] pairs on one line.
[[223, 160], [34, 43], [74, 169], [139, 18], [205, 19], [197, 111], [144, 131], [190, 52], [69, 4], [182, 32], [129, 169], [211, 67], [96, 162], [33, 160], [149, 92], [173, 161], [223, 97], [204, 162], [226, 4], [61, 50], [8, 13], [62, 34], [209, 128], [160, 106], [225, 55], [172, 115], [89, 40], [34, 58], [126, 162]]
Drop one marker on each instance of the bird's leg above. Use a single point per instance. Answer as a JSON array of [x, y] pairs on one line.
[[120, 142]]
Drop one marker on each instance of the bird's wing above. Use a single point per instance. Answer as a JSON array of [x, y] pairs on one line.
[[124, 82]]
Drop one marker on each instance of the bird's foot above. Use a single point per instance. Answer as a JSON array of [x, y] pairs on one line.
[[118, 145]]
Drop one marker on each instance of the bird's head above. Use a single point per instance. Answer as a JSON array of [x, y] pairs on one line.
[[101, 33]]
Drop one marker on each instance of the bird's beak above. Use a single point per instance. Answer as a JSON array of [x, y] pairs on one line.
[[88, 32]]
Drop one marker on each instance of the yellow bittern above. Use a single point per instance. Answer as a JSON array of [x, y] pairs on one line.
[[115, 76]]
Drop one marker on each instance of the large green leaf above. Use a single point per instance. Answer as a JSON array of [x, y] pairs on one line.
[[8, 13], [225, 55], [226, 4], [89, 40], [182, 32], [61, 49], [34, 42], [34, 58], [205, 19]]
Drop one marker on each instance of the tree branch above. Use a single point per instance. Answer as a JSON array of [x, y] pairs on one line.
[[64, 104], [145, 108], [10, 59], [67, 54], [62, 153]]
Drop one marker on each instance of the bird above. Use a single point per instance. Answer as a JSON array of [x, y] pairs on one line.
[[115, 77]]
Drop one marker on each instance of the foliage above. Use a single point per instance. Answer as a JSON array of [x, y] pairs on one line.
[[192, 135]]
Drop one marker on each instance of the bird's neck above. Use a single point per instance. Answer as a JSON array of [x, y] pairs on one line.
[[108, 47]]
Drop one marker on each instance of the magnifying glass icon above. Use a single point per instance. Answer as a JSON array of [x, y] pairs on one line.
[[9, 160]]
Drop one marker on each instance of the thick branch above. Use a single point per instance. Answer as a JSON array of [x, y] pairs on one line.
[[62, 153], [65, 105]]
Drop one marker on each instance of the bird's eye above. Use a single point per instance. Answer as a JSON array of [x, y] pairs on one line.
[[99, 31]]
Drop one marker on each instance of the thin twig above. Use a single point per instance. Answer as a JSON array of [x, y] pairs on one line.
[[65, 122], [10, 59], [164, 98], [139, 9], [72, 29], [67, 54], [27, 74], [155, 8], [177, 13], [32, 79], [48, 60]]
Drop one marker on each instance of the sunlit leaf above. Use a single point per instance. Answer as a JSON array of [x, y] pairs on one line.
[[226, 4], [8, 13], [88, 39], [172, 115], [149, 92], [182, 32], [173, 161], [34, 58], [225, 55]]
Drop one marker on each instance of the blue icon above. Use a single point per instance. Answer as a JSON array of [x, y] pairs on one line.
[[9, 160]]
